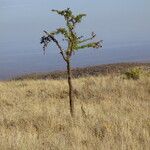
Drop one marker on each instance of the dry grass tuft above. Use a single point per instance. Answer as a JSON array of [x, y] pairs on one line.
[[112, 113]]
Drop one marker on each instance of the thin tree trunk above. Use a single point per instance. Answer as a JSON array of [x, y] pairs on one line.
[[71, 102]]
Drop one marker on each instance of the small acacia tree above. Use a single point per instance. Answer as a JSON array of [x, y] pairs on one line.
[[74, 43]]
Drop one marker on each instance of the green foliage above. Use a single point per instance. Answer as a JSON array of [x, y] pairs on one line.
[[133, 73], [74, 42], [69, 17]]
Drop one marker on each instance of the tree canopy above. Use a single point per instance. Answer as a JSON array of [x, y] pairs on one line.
[[74, 42]]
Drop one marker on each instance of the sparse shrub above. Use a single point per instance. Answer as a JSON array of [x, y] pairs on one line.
[[74, 43], [133, 73]]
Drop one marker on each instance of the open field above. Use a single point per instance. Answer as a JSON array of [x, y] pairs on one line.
[[112, 113]]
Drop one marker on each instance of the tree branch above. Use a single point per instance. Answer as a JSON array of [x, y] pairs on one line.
[[93, 35], [57, 43], [89, 45]]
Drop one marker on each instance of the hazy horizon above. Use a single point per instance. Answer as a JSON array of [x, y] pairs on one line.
[[122, 25]]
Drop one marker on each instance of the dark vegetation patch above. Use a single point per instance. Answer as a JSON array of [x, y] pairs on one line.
[[87, 71]]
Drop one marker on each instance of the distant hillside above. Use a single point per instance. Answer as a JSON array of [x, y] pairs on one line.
[[87, 71]]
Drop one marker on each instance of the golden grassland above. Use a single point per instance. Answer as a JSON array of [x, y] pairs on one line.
[[112, 113]]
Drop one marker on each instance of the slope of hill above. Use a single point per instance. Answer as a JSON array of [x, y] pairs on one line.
[[86, 71], [112, 113]]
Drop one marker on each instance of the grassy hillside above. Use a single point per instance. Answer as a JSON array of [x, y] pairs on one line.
[[112, 113], [104, 69]]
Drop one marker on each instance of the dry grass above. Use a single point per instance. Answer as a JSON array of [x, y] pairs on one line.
[[112, 113]]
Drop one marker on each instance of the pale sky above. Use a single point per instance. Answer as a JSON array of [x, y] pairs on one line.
[[123, 25], [121, 19]]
